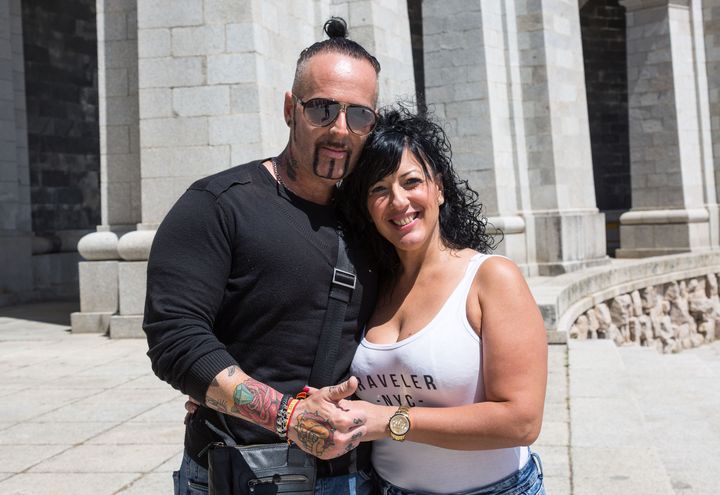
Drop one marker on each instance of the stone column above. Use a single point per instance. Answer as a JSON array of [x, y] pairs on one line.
[[564, 228], [15, 216], [517, 115], [119, 165], [711, 18], [118, 114], [674, 199], [468, 86]]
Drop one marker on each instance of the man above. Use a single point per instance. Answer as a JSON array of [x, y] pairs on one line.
[[241, 268]]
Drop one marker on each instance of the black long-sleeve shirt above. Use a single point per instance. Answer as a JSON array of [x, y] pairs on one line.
[[239, 273]]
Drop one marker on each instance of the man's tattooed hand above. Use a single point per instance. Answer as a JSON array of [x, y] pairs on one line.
[[315, 433]]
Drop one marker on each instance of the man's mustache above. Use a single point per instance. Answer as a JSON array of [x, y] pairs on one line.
[[344, 146]]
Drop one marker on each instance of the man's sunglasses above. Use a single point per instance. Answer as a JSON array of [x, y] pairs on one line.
[[321, 112]]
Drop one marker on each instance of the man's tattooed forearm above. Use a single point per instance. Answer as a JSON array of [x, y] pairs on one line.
[[315, 433], [257, 402], [219, 405]]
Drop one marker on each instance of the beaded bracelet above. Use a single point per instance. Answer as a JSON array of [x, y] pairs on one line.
[[290, 410], [281, 419]]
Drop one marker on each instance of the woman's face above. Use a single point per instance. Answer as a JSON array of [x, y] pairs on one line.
[[405, 206]]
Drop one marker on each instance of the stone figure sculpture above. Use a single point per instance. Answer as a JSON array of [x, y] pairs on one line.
[[670, 317], [621, 315]]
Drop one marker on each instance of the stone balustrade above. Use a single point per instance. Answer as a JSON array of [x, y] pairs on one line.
[[670, 317], [563, 300]]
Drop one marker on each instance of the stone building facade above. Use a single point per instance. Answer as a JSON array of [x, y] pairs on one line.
[[590, 128]]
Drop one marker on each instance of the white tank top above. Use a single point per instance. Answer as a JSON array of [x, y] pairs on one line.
[[440, 365]]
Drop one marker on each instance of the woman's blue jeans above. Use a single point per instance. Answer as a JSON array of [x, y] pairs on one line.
[[526, 481], [192, 479]]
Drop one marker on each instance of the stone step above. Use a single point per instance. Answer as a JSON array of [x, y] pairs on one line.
[[679, 396], [611, 448]]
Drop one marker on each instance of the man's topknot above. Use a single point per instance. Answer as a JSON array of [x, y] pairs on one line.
[[336, 27], [338, 42]]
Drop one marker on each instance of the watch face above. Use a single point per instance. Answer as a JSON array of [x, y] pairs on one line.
[[399, 424]]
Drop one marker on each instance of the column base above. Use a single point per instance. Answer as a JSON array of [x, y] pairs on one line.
[[646, 233], [90, 322], [565, 241], [126, 327]]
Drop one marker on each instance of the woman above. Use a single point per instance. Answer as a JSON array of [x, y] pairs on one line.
[[454, 359]]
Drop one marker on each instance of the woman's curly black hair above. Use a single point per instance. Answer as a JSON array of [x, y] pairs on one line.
[[462, 224]]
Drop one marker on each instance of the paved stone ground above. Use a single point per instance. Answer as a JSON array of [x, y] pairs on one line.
[[82, 414]]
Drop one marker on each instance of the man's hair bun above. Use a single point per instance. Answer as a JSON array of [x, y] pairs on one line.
[[336, 27]]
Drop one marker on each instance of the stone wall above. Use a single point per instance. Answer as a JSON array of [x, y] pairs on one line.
[[61, 91], [15, 224], [604, 52]]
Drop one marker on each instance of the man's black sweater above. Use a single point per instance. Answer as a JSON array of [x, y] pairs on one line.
[[239, 274]]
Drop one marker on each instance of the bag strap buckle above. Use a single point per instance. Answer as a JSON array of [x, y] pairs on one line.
[[344, 279]]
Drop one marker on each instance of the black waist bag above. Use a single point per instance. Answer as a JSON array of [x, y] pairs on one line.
[[260, 469]]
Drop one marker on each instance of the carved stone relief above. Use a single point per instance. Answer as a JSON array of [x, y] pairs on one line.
[[670, 317]]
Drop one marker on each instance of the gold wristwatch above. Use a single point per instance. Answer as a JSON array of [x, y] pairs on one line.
[[399, 423]]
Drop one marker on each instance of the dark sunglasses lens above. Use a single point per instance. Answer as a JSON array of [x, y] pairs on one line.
[[321, 112], [360, 120]]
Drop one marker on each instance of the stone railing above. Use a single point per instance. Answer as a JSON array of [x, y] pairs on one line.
[[567, 300], [670, 317]]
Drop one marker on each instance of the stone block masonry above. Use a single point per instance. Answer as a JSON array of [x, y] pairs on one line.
[[62, 114], [15, 220]]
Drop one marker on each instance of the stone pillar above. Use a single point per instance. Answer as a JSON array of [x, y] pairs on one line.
[[564, 228], [674, 200], [468, 86], [15, 217], [508, 79], [118, 114], [119, 165], [711, 18]]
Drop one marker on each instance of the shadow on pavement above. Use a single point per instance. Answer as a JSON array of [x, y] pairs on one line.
[[57, 313]]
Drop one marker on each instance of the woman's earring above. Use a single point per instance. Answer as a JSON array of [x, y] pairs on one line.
[[441, 200]]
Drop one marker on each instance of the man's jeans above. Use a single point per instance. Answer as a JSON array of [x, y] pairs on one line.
[[192, 479]]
